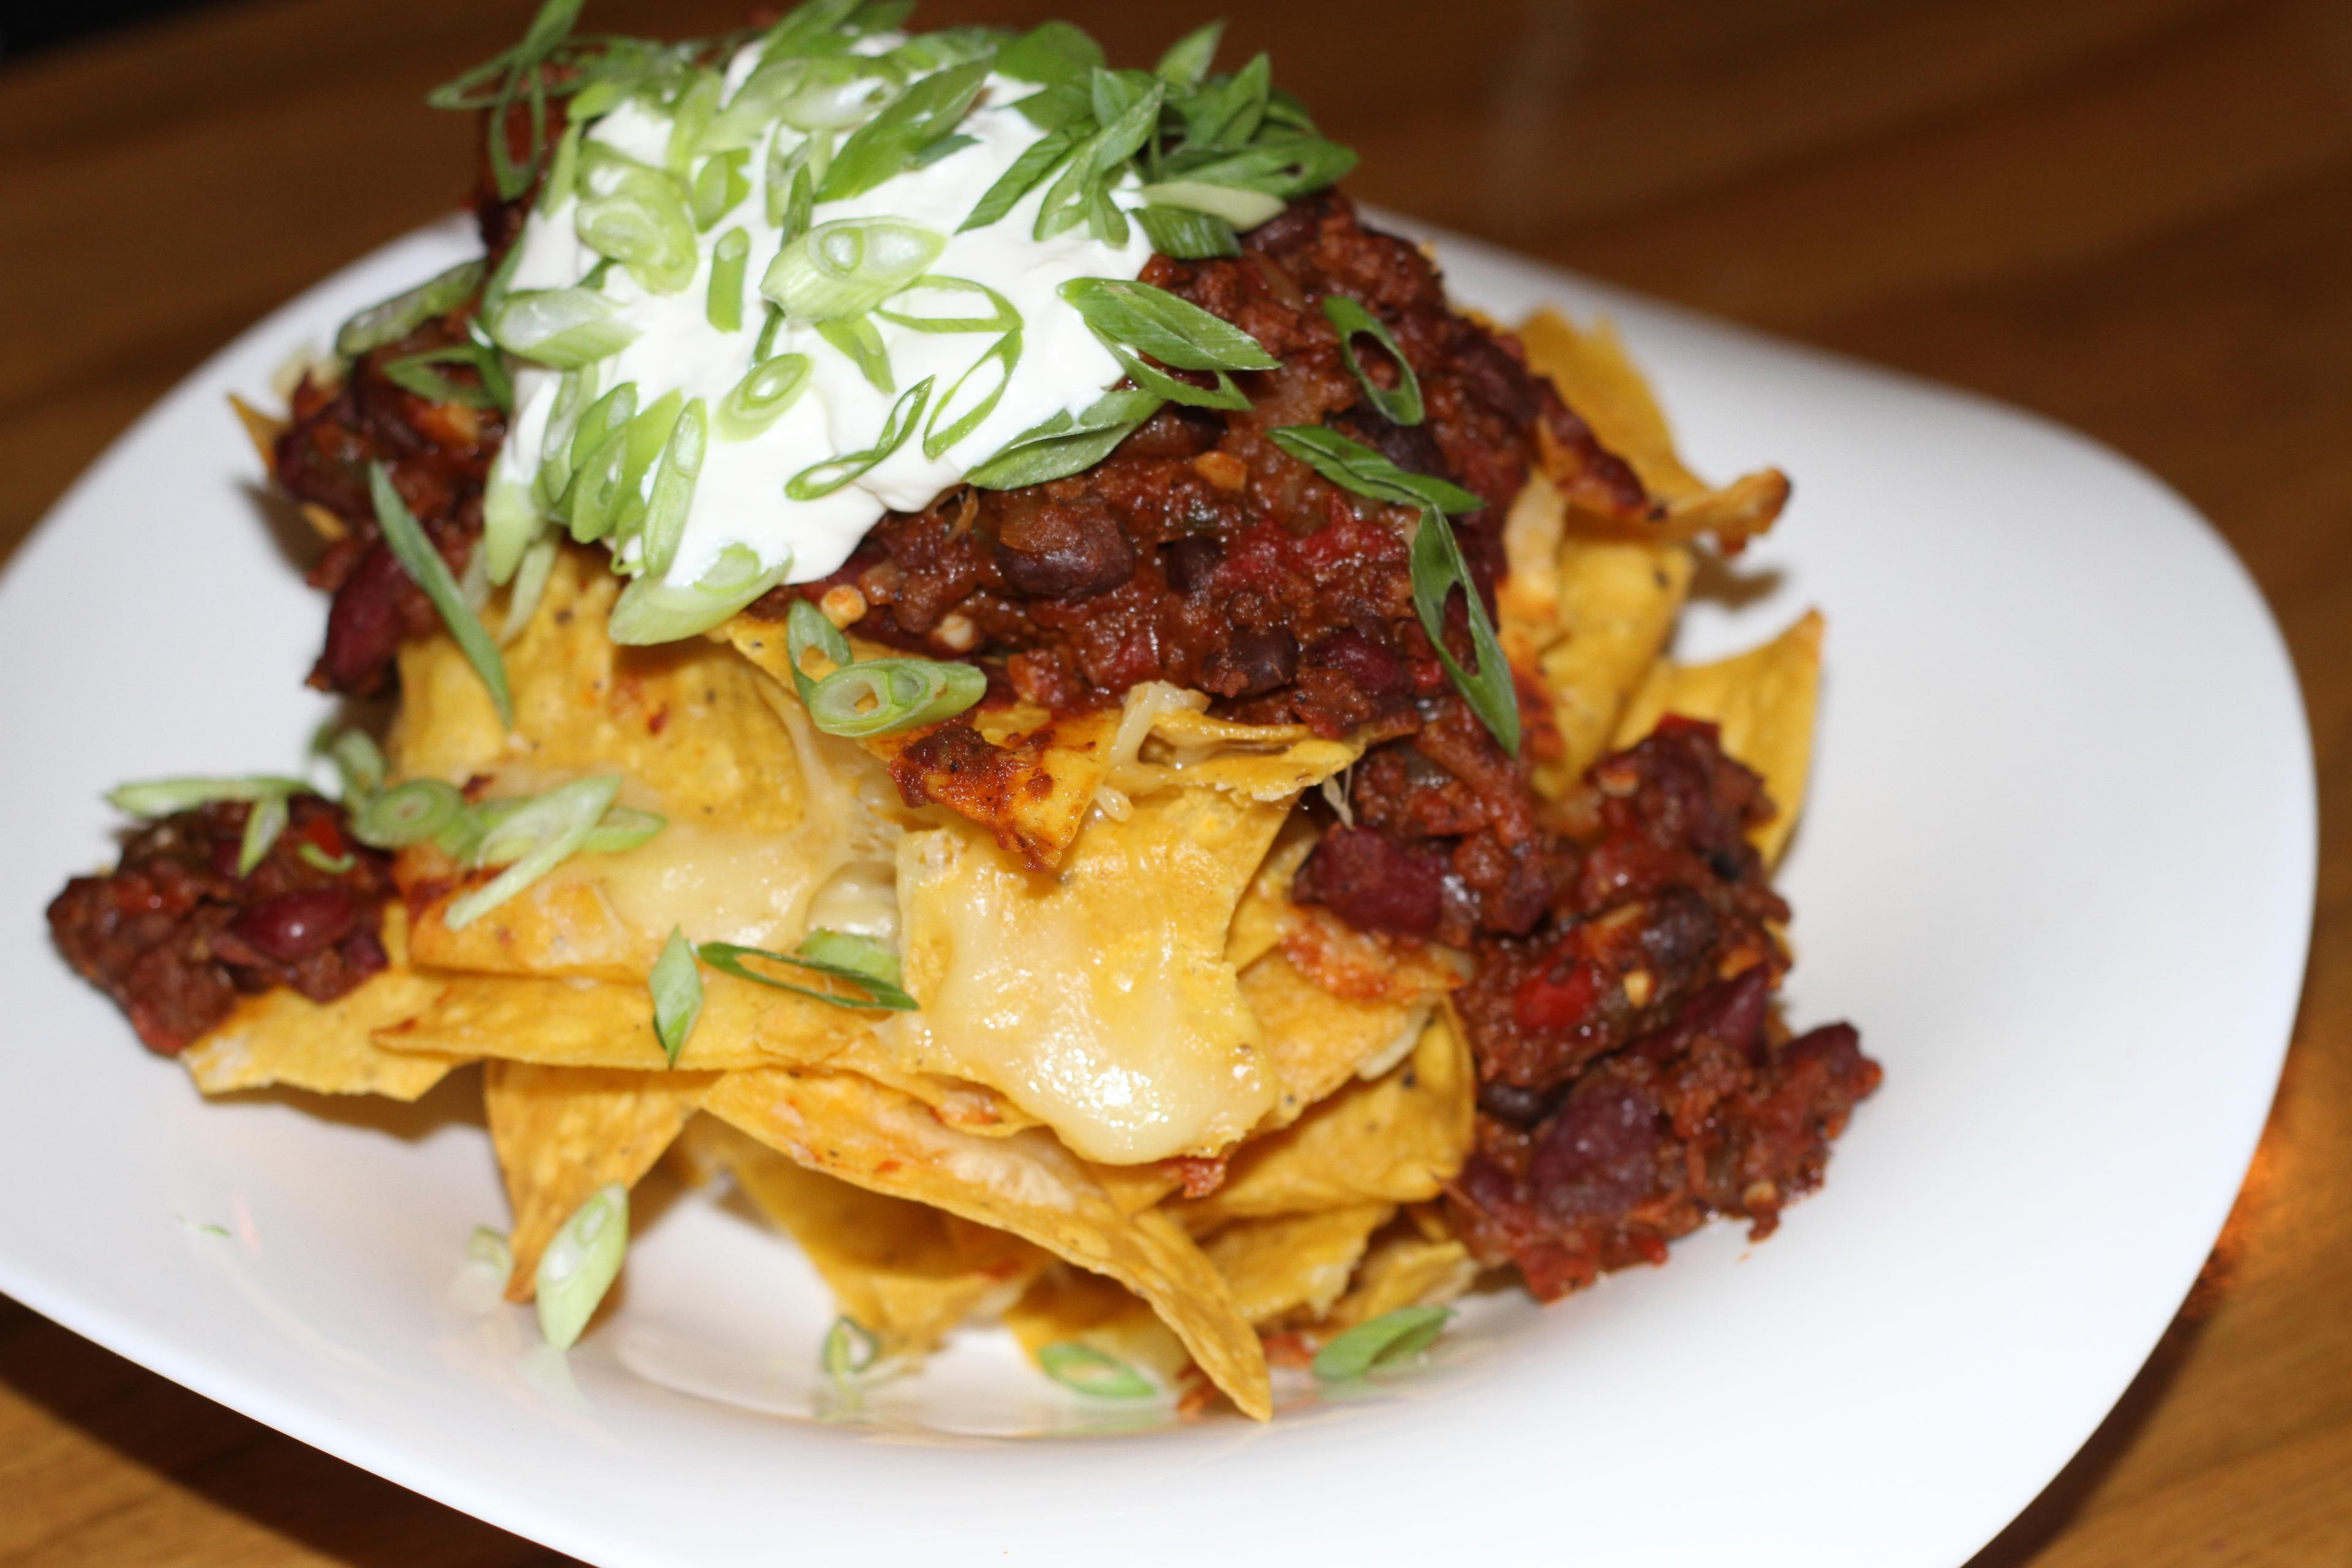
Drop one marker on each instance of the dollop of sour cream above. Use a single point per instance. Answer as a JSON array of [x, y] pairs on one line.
[[739, 498]]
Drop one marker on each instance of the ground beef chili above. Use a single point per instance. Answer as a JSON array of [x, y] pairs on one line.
[[174, 935]]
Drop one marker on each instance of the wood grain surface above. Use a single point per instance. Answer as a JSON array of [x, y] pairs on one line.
[[2134, 216]]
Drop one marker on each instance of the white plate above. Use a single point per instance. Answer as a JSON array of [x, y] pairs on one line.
[[2058, 866]]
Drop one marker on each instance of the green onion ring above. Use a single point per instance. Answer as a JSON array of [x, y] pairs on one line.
[[677, 987], [1384, 1340], [806, 628], [409, 813], [1083, 1368], [265, 819], [884, 696], [580, 1263]]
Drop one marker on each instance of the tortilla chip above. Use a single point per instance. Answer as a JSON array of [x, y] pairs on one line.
[[852, 1128], [1294, 1263], [1617, 606], [1367, 966], [1765, 700], [263, 430], [1069, 1306], [1402, 1270], [561, 1133], [1597, 379], [905, 1271], [1317, 1041], [1100, 1002], [1396, 1140], [1266, 913], [281, 1037]]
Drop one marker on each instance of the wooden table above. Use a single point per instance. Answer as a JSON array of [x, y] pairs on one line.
[[2134, 216]]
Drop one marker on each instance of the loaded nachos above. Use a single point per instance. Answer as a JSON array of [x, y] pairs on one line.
[[972, 651]]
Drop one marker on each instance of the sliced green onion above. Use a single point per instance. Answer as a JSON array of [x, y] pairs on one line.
[[425, 568], [1064, 445], [723, 305], [623, 828], [1040, 158], [1438, 570], [806, 628], [771, 321], [1048, 53], [530, 587], [576, 393], [1173, 331], [791, 181], [408, 813], [721, 186], [580, 1263], [1186, 234], [489, 1249], [474, 587], [361, 762], [318, 859], [945, 147], [1282, 165], [163, 797], [1401, 403], [850, 1349], [823, 479], [1352, 466], [391, 319], [760, 399], [1126, 106], [995, 369], [1002, 316], [548, 830], [566, 328], [884, 696], [1159, 383], [885, 144], [691, 116], [265, 819], [860, 341], [637, 216], [880, 991], [1098, 1375], [676, 986], [1186, 63], [591, 432], [596, 498], [646, 438], [1245, 209], [846, 267], [652, 611], [416, 373], [510, 516], [673, 486], [863, 958], [564, 174], [1228, 112], [1384, 1340]]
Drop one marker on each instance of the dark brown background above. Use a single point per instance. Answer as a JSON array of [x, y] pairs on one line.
[[2134, 216]]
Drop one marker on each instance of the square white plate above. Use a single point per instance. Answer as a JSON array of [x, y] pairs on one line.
[[2058, 864]]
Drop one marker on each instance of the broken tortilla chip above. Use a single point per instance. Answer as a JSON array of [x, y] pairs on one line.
[[1617, 608], [1029, 1184], [1069, 1306], [904, 1271], [1317, 1041], [561, 1133], [1395, 1139], [1291, 1264], [1764, 700], [1402, 1270]]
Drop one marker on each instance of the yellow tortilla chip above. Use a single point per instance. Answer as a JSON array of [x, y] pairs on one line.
[[1597, 379], [1402, 1270], [281, 1037], [1317, 1041], [1289, 1264], [1029, 1184], [1099, 1001], [561, 1133], [1396, 1140], [1764, 700], [1617, 606], [1069, 1306], [905, 1271], [1266, 913], [262, 429]]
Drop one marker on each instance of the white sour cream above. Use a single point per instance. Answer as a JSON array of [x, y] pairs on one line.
[[739, 498]]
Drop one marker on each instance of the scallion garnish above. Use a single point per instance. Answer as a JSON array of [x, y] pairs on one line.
[[546, 831], [860, 341], [1065, 444], [565, 328], [318, 859], [1083, 1368], [1243, 209], [1049, 53], [393, 318], [1401, 403], [1353, 466], [1002, 317], [760, 399], [530, 587], [723, 304], [1040, 158], [819, 479], [490, 389], [637, 216], [360, 762], [413, 812], [805, 627], [164, 798], [1384, 1340], [995, 368], [580, 1263], [673, 486], [1173, 331], [651, 610], [884, 146], [490, 1249], [406, 539], [265, 819], [1187, 234], [849, 1350], [721, 186], [842, 269], [677, 987], [856, 960], [884, 696], [1438, 570]]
